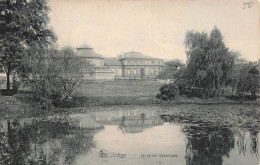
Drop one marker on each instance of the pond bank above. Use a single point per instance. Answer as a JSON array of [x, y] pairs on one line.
[[84, 101], [194, 108], [243, 115]]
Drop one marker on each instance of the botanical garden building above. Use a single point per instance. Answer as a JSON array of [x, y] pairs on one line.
[[128, 65]]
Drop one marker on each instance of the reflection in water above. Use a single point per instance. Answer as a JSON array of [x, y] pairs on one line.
[[207, 144], [254, 144], [138, 123], [130, 121], [44, 142], [210, 144], [69, 140]]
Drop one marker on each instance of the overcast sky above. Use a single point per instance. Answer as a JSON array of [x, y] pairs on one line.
[[155, 27]]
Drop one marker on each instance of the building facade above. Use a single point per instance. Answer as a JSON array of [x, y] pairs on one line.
[[100, 72], [129, 65], [138, 65], [86, 52], [115, 65]]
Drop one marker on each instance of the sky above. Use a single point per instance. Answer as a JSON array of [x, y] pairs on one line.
[[155, 27]]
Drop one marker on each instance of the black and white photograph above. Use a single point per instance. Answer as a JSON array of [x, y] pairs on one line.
[[129, 82]]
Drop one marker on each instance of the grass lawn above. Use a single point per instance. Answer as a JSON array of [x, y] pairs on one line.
[[106, 93], [119, 88]]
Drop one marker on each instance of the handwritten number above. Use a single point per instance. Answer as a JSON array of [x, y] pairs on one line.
[[248, 5]]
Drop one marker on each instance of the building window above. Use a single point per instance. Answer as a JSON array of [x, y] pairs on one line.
[[141, 62], [135, 72], [128, 72], [128, 62], [152, 62], [114, 70], [159, 62], [152, 71], [135, 62], [119, 72]]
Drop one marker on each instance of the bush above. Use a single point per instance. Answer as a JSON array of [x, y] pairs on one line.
[[5, 92], [64, 103], [167, 92], [248, 83]]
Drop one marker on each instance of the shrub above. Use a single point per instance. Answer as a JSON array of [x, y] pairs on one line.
[[248, 83], [5, 92], [167, 92]]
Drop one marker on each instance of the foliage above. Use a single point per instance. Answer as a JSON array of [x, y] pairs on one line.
[[23, 24], [248, 83], [241, 67], [209, 63], [66, 72], [58, 75], [167, 92], [26, 144], [171, 68]]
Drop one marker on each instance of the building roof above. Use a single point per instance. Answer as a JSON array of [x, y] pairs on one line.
[[112, 61], [86, 51], [135, 55]]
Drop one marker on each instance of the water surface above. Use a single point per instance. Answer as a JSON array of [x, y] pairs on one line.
[[134, 137]]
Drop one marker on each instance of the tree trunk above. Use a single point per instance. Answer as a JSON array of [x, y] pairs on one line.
[[8, 81]]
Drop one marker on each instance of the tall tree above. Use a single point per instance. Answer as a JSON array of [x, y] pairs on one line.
[[196, 48], [220, 62], [209, 63], [23, 25]]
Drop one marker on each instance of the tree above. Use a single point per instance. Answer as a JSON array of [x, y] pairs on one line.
[[66, 72], [171, 68], [196, 48], [209, 63], [58, 74], [11, 57], [241, 67], [249, 83], [220, 61], [36, 70], [23, 25]]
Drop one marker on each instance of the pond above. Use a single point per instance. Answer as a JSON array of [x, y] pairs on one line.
[[131, 137]]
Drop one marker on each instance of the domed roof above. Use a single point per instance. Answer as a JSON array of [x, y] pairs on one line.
[[86, 51]]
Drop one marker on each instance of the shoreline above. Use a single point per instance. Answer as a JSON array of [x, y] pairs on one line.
[[240, 115], [13, 108]]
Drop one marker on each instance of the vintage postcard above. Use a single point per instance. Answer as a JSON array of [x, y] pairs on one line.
[[129, 82]]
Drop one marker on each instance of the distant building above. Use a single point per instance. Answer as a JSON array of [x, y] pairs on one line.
[[100, 73], [136, 65], [86, 52], [131, 65], [115, 65]]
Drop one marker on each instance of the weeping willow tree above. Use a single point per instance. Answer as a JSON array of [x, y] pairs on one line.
[[209, 62]]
